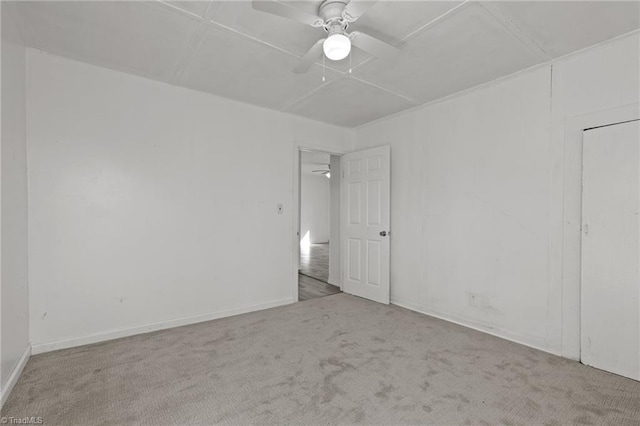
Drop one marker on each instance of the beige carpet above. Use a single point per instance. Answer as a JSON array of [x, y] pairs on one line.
[[336, 359]]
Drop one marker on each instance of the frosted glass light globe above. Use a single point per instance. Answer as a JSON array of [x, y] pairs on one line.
[[336, 47]]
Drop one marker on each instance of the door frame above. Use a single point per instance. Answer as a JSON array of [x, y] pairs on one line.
[[297, 152], [571, 227]]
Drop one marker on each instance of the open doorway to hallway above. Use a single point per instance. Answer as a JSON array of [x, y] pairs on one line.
[[319, 267]]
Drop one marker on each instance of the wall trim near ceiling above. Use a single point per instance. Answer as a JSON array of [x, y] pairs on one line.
[[15, 375], [38, 348], [529, 341], [501, 79]]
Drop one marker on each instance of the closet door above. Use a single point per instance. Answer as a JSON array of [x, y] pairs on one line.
[[610, 312]]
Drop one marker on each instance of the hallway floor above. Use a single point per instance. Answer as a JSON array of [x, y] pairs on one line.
[[315, 262], [314, 273], [310, 288]]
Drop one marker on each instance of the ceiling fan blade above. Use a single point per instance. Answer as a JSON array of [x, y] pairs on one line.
[[356, 8], [286, 11], [309, 58], [372, 45]]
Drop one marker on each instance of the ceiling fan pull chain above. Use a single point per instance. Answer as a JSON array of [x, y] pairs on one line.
[[350, 60], [323, 79]]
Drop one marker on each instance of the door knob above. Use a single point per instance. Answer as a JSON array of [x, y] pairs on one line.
[[383, 233]]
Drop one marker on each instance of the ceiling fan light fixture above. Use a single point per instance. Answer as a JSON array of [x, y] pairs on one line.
[[336, 47]]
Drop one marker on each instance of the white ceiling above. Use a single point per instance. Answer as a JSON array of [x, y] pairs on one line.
[[229, 49]]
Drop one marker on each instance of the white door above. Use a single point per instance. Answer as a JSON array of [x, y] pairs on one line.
[[610, 312], [365, 220]]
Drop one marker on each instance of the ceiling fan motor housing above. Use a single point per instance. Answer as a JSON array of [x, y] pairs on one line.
[[331, 13]]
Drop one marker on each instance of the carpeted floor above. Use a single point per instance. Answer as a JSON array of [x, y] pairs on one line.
[[335, 359]]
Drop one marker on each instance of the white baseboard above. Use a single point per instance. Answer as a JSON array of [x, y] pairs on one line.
[[15, 375], [38, 348], [519, 339]]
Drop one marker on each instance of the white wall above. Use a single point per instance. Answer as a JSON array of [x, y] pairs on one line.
[[596, 87], [150, 203], [13, 212], [478, 195], [147, 201], [314, 207]]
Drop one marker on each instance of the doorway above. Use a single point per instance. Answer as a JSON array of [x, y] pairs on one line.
[[319, 258], [359, 223], [610, 293]]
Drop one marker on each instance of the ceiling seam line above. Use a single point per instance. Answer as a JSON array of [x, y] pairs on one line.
[[185, 60], [434, 21], [257, 40], [406, 98], [289, 107], [491, 83], [516, 31], [211, 22], [195, 40], [182, 12], [420, 29], [210, 10]]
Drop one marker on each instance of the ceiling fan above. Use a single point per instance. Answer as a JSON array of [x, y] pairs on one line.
[[325, 171], [334, 16]]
